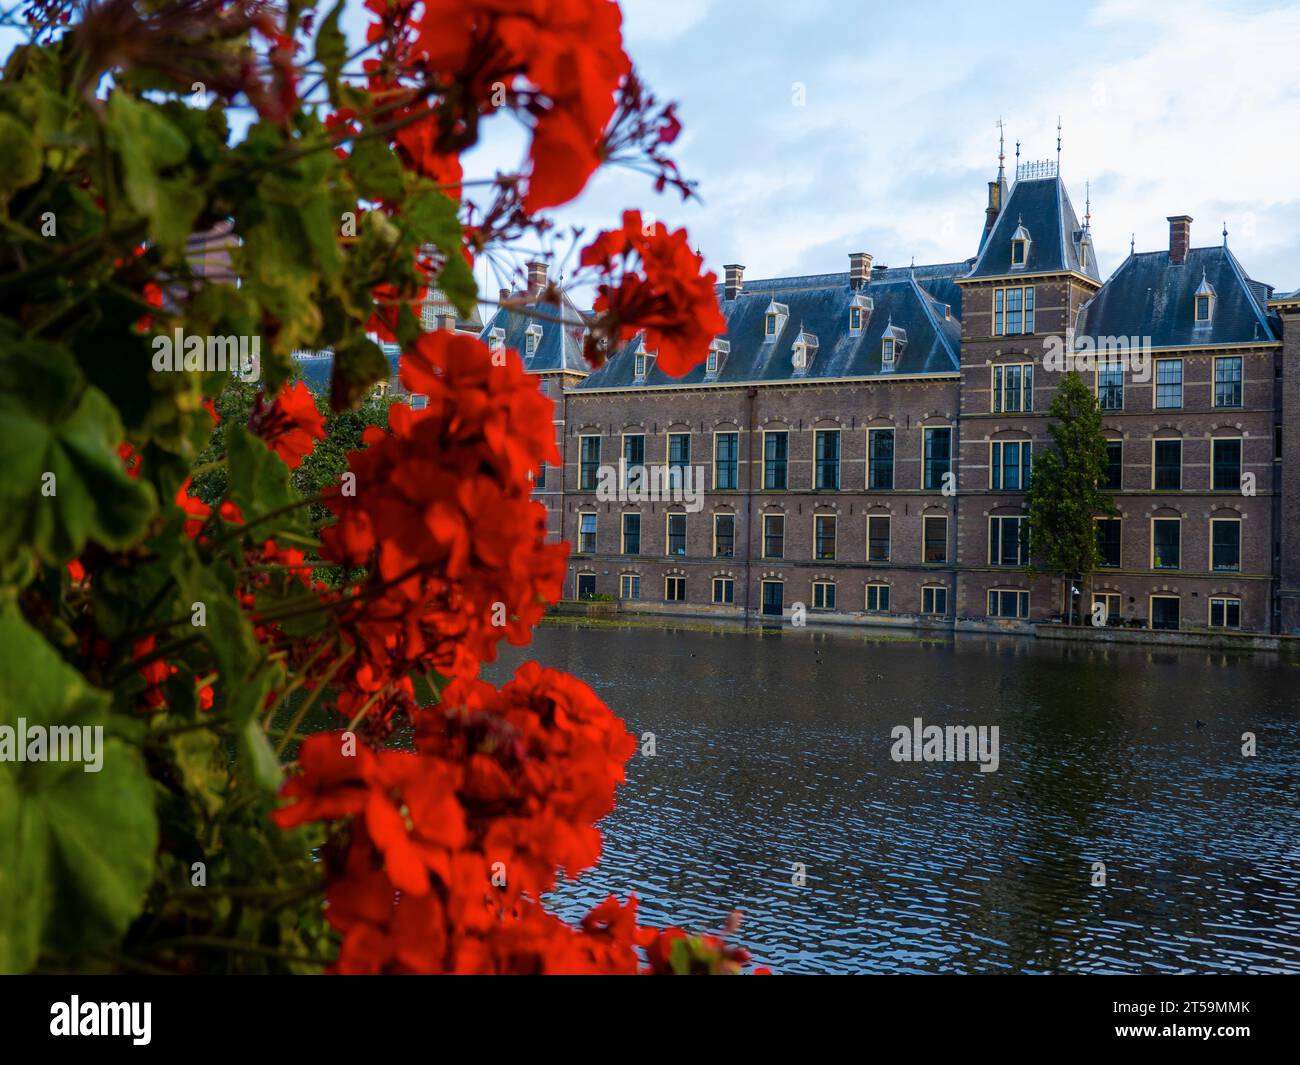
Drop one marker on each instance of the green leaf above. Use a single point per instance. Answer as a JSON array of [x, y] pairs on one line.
[[428, 687], [260, 757], [332, 50], [227, 630], [376, 170], [358, 364], [64, 483], [260, 482], [76, 847], [148, 144], [21, 153]]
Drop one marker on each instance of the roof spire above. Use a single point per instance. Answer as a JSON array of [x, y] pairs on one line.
[[1002, 157], [1132, 240], [1225, 233], [1087, 206], [1017, 157], [1058, 144]]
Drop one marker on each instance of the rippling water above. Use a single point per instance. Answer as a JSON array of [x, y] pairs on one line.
[[773, 749]]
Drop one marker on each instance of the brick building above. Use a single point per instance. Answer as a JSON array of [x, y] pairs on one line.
[[865, 438]]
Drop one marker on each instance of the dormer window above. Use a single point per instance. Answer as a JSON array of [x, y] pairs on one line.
[[497, 339], [638, 364], [805, 347], [1020, 242], [774, 318], [1204, 301], [641, 361], [891, 345], [532, 339], [718, 351], [860, 308]]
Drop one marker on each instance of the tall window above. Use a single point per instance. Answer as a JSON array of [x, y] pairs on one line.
[[1008, 541], [1013, 311], [675, 589], [634, 460], [679, 457], [724, 590], [1227, 381], [631, 534], [823, 595], [938, 456], [1108, 540], [725, 460], [1225, 613], [1008, 603], [1114, 465], [589, 463], [1110, 385], [629, 586], [1169, 384], [774, 536], [724, 535], [776, 455], [1009, 465], [1166, 543], [586, 534], [1164, 611], [677, 534], [880, 458], [827, 448], [1168, 457], [824, 537], [934, 600], [1225, 545], [1227, 465], [934, 534], [539, 481], [878, 538], [1013, 388], [878, 598]]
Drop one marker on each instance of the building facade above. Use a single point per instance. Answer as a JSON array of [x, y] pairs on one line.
[[859, 444]]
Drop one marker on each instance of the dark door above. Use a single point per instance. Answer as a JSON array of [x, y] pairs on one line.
[[773, 597]]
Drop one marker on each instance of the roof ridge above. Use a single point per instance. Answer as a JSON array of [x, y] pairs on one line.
[[1244, 282], [934, 322]]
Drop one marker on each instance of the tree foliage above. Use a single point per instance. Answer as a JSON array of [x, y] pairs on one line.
[[1065, 496]]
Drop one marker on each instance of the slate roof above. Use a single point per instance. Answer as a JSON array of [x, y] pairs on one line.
[[1149, 296], [560, 347], [317, 366], [1043, 207], [819, 304]]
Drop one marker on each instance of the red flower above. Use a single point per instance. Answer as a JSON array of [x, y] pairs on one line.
[[559, 62], [442, 517], [290, 425], [654, 284]]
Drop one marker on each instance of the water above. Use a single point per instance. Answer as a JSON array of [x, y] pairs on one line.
[[774, 749]]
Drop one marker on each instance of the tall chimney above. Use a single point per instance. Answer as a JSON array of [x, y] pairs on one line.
[[1180, 238], [734, 281], [859, 270], [536, 276]]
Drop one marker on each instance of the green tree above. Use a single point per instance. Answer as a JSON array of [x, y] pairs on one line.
[[1065, 495]]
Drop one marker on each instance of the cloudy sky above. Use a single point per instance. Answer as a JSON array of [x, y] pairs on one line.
[[1167, 108]]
